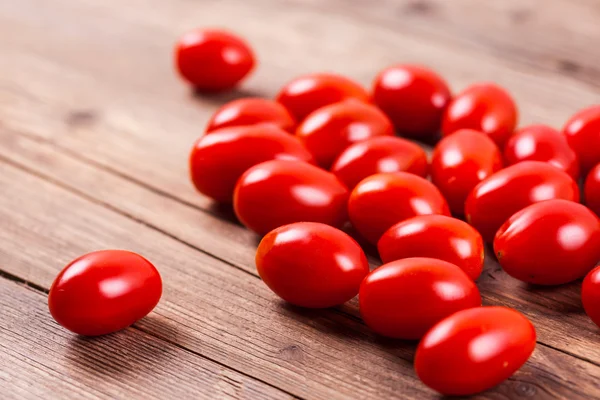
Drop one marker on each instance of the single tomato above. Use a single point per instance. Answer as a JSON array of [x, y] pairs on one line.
[[311, 265], [405, 298], [104, 291], [251, 111], [218, 159], [459, 162], [501, 195], [413, 97], [474, 350], [484, 107], [327, 131], [213, 60], [435, 236], [590, 295], [377, 155], [583, 134], [591, 190], [382, 200], [279, 192], [549, 243]]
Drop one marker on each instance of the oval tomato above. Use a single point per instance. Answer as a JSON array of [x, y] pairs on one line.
[[474, 350], [251, 111], [104, 291], [501, 195], [485, 107], [276, 193], [311, 265], [460, 161], [542, 143], [583, 134], [435, 236], [309, 92], [218, 159], [382, 200], [591, 190], [413, 97], [378, 155], [213, 60], [590, 295], [404, 298], [327, 131], [549, 243]]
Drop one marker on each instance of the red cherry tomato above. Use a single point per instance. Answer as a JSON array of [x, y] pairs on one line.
[[501, 195], [474, 350], [404, 298], [549, 243], [213, 60], [485, 107], [104, 291], [377, 155], [327, 131], [218, 159], [279, 192], [460, 161], [542, 143], [435, 236], [382, 200], [583, 134], [413, 97], [311, 265], [309, 92], [250, 111], [592, 190], [590, 295]]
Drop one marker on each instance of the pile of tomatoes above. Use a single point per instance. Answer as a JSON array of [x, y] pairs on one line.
[[328, 164]]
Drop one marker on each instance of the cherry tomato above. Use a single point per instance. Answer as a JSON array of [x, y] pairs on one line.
[[460, 161], [309, 92], [501, 195], [435, 236], [377, 155], [583, 134], [311, 265], [104, 291], [382, 200], [218, 159], [542, 143], [549, 243], [213, 60], [250, 111], [474, 350], [404, 298], [279, 192], [413, 97], [592, 190], [590, 295], [327, 131], [485, 107]]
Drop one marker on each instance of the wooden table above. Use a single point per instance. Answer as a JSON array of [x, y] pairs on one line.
[[95, 130]]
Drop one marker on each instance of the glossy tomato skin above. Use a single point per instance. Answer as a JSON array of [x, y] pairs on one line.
[[329, 130], [251, 111], [484, 107], [592, 190], [414, 98], [218, 159], [459, 162], [405, 298], [382, 200], [378, 155], [590, 295], [549, 243], [280, 192], [501, 195], [542, 143], [474, 350], [213, 60], [307, 93], [104, 291], [435, 236], [583, 134], [311, 265]]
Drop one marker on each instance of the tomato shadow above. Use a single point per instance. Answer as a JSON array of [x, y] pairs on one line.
[[220, 98], [223, 211]]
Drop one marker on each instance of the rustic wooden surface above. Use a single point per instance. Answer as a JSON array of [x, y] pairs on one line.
[[94, 134]]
